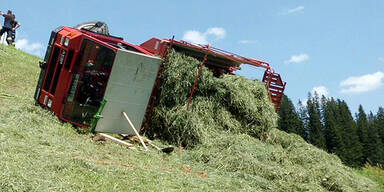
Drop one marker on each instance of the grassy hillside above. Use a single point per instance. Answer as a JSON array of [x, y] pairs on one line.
[[374, 173], [40, 153]]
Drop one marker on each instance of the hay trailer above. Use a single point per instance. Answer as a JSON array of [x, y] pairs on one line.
[[97, 81]]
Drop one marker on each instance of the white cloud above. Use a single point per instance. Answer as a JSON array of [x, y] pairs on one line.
[[297, 58], [320, 90], [198, 37], [246, 42], [296, 9], [304, 102], [32, 48], [195, 37], [218, 32], [363, 83]]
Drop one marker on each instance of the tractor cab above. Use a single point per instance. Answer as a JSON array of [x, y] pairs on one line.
[[83, 69]]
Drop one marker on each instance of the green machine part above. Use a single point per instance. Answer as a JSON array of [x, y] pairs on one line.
[[97, 116]]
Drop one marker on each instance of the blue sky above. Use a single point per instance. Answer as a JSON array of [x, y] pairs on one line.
[[334, 47]]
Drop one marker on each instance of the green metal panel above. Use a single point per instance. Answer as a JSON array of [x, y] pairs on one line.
[[97, 117], [129, 88]]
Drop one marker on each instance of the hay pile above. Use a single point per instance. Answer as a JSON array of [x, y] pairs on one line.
[[282, 162], [230, 103], [230, 127]]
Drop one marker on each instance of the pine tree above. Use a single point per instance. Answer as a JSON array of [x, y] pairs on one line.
[[362, 132], [352, 154], [379, 122], [289, 119], [316, 135], [332, 129], [303, 116], [374, 148], [378, 125]]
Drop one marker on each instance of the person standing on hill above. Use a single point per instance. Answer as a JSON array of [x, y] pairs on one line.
[[7, 27], [11, 38]]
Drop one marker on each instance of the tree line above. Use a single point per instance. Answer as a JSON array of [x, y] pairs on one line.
[[329, 124]]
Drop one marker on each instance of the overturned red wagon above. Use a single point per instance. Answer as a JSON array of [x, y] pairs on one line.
[[88, 78]]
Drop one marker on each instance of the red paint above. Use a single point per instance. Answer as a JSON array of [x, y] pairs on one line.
[[196, 80]]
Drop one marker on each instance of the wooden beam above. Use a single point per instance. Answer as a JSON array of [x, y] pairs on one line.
[[121, 142], [135, 130]]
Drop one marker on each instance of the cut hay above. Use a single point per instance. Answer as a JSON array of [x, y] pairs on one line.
[[230, 127], [230, 102], [284, 162]]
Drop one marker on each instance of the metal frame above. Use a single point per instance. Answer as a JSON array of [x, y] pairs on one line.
[[273, 81], [197, 79]]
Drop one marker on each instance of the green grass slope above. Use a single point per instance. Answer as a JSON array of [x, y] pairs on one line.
[[374, 173], [40, 153]]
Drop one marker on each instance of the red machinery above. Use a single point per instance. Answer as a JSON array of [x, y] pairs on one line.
[[220, 62], [64, 73], [78, 64]]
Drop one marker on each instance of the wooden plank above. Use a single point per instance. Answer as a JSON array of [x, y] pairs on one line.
[[135, 130], [118, 141], [167, 150]]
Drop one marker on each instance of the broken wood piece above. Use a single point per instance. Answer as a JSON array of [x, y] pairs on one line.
[[98, 137], [156, 147], [134, 138], [121, 142], [134, 129], [164, 150], [147, 142]]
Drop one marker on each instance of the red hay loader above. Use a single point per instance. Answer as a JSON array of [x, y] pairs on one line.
[[88, 78]]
